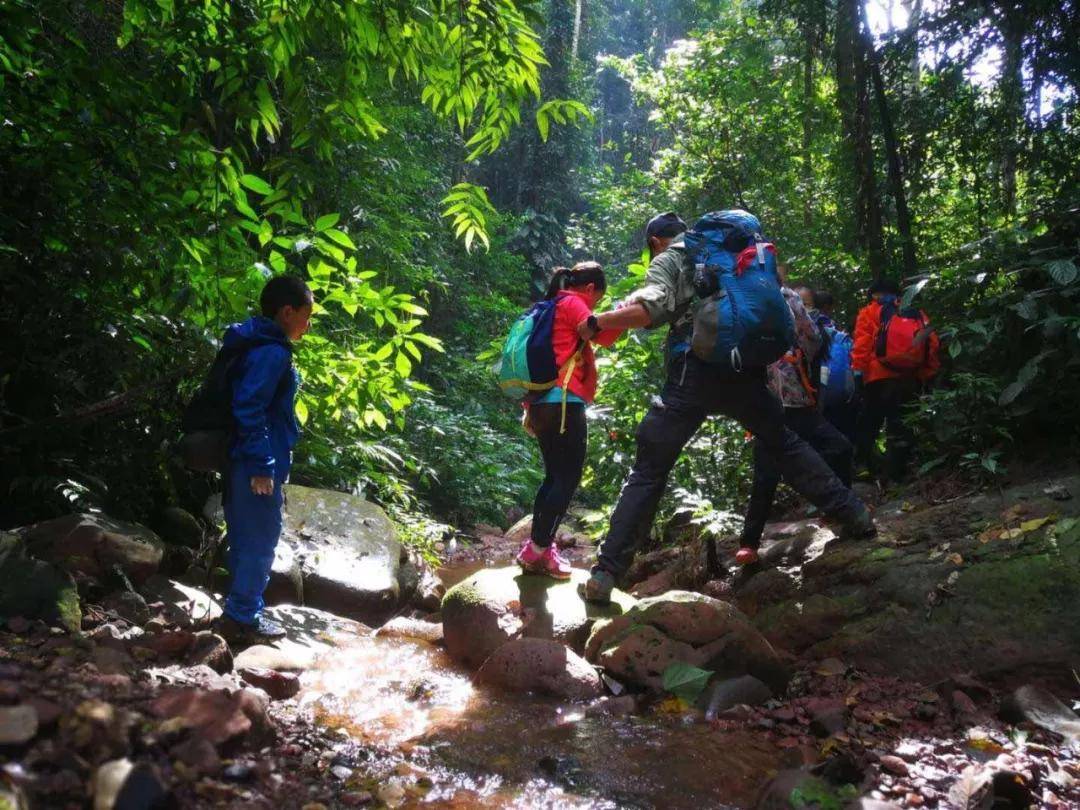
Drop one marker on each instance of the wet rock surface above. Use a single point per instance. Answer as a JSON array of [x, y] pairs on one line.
[[495, 605], [543, 666]]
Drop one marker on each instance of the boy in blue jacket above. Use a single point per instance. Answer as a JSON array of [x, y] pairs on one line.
[[264, 385]]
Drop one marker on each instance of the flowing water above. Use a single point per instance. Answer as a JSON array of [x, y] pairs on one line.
[[440, 741]]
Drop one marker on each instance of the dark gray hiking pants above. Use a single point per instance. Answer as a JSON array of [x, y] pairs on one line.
[[830, 444], [694, 391]]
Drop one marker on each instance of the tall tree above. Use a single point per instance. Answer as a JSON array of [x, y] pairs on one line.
[[853, 100], [892, 151]]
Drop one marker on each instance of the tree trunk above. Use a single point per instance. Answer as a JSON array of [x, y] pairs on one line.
[[896, 175], [807, 129], [1012, 95], [854, 101], [578, 7]]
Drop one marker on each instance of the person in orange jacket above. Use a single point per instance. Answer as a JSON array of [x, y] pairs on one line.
[[895, 353]]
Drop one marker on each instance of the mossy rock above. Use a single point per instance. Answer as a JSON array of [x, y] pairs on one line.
[[487, 609], [34, 589], [682, 627]]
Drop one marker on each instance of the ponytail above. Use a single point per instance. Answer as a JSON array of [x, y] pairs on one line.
[[579, 275], [558, 282]]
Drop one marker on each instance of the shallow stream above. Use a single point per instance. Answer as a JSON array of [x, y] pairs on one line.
[[440, 741]]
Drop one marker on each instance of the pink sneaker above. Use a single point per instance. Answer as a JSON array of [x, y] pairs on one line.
[[549, 562]]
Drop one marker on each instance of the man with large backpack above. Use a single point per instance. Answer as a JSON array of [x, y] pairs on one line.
[[717, 353], [895, 353]]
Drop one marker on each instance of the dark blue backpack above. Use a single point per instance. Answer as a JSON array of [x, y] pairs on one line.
[[743, 320]]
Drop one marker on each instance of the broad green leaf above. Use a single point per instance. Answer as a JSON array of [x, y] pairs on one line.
[[326, 221], [256, 184], [341, 238], [1063, 271], [685, 681]]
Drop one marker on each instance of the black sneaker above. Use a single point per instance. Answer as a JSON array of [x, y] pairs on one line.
[[239, 633], [860, 527], [597, 588]]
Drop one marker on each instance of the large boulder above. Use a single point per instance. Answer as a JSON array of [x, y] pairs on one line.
[[543, 666], [34, 589], [494, 605], [93, 544], [639, 646], [985, 584], [338, 552]]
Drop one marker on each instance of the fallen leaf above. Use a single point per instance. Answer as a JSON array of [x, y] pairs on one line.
[[986, 745], [1011, 534], [989, 534], [907, 506], [952, 578], [672, 705], [1032, 525], [970, 787], [830, 745], [955, 559], [830, 666]]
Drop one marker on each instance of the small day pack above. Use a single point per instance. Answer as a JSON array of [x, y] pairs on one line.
[[742, 320], [903, 337], [837, 378], [527, 364]]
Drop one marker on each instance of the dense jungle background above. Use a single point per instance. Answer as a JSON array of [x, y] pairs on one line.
[[424, 166]]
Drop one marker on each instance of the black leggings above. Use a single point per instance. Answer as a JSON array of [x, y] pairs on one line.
[[564, 460]]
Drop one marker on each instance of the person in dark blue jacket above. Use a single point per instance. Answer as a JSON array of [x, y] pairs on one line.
[[264, 385]]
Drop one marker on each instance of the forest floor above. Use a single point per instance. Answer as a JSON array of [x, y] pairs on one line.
[[157, 713]]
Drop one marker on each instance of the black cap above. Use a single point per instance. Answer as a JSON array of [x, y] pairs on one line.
[[665, 226], [886, 286]]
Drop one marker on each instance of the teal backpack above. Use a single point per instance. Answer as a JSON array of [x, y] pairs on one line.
[[527, 364]]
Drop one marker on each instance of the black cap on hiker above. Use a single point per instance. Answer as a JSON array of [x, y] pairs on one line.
[[665, 226], [886, 286]]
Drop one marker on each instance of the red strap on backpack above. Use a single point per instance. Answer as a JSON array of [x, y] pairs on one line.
[[749, 256]]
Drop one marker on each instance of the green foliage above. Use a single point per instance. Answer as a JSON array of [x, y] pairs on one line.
[[684, 681], [162, 159], [469, 207]]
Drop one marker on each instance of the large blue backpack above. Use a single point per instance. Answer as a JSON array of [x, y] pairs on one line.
[[743, 320]]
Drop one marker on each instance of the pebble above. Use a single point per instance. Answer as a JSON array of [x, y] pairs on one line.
[[341, 772], [391, 794], [893, 764], [18, 724], [238, 772], [357, 799]]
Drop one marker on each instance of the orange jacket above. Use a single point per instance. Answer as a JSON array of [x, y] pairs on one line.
[[864, 358]]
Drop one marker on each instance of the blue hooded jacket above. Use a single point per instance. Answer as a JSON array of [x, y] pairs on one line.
[[264, 389]]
